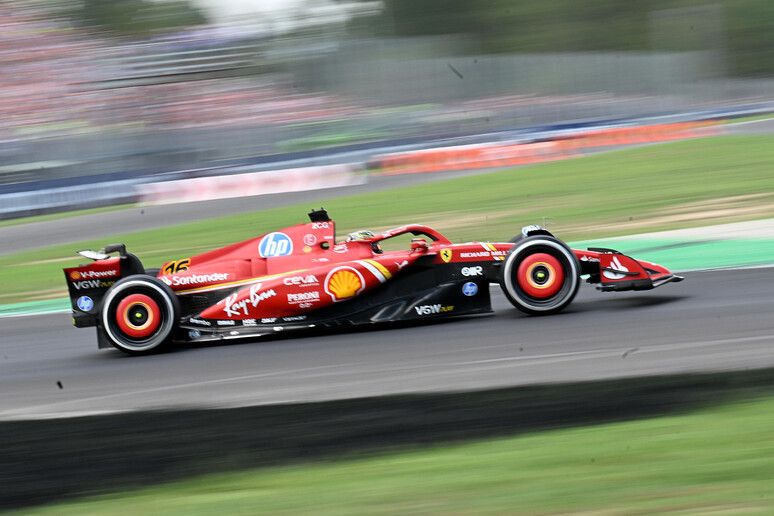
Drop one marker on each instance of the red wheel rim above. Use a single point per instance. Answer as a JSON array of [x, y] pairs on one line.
[[138, 316], [540, 275]]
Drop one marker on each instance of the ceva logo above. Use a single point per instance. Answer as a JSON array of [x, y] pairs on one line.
[[275, 244]]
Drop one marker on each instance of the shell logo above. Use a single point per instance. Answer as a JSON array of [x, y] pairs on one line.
[[75, 275], [344, 283]]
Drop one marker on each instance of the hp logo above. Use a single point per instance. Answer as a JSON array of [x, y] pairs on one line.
[[275, 244], [470, 289], [85, 303]]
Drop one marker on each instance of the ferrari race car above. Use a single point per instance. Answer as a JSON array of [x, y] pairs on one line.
[[301, 278]]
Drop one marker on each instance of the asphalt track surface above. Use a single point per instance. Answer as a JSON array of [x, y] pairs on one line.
[[714, 321]]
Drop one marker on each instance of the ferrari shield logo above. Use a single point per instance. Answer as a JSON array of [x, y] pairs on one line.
[[446, 255]]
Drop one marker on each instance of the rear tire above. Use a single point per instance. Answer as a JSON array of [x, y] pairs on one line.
[[139, 314], [540, 275]]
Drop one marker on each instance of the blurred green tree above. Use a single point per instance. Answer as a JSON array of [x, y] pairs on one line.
[[739, 28], [750, 36]]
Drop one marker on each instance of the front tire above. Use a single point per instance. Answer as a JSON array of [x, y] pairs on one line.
[[540, 275], [139, 314]]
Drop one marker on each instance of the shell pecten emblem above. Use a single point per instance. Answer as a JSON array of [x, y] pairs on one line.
[[344, 283]]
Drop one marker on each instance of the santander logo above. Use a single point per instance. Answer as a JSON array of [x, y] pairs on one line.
[[617, 265]]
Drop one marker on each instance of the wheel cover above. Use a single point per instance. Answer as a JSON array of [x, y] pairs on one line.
[[540, 275], [138, 316], [521, 288]]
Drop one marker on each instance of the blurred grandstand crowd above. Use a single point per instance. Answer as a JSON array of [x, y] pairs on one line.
[[59, 79]]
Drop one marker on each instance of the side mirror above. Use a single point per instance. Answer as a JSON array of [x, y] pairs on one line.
[[419, 245]]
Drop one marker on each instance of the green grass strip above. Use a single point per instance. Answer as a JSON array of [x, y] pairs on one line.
[[36, 307], [715, 461], [752, 118]]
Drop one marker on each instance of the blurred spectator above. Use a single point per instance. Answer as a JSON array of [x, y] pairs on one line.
[[57, 80]]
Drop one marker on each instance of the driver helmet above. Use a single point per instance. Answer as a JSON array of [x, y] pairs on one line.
[[365, 234]]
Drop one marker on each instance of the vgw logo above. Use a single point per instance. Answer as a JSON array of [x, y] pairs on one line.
[[275, 244], [95, 283], [433, 309]]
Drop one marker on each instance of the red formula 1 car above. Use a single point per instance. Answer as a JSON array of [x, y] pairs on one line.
[[300, 278]]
